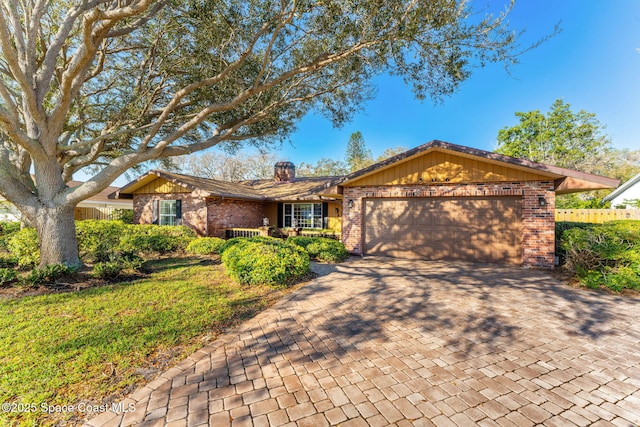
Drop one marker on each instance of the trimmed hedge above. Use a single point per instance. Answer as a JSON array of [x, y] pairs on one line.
[[234, 241], [205, 246], [265, 261], [98, 238], [321, 248], [146, 238], [604, 254]]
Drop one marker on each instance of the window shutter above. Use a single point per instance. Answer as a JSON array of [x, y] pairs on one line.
[[178, 211], [155, 206], [280, 215], [325, 215]]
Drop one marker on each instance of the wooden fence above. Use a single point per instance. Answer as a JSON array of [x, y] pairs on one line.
[[596, 215], [97, 213]]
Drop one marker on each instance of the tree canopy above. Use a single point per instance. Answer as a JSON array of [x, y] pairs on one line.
[[102, 86], [568, 139]]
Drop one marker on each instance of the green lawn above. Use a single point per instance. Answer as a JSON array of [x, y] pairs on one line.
[[67, 348]]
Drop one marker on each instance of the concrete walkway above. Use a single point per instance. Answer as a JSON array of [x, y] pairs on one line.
[[382, 342]]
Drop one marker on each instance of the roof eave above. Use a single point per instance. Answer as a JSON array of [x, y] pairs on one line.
[[572, 181], [621, 189]]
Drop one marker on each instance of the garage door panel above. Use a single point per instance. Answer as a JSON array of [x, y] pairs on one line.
[[469, 229]]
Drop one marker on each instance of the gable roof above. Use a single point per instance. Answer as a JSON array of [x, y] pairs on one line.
[[259, 190], [566, 180], [624, 187]]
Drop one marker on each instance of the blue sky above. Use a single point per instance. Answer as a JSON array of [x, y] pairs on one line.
[[593, 64]]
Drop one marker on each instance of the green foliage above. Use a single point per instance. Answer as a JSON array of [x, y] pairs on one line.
[[60, 348], [257, 239], [573, 140], [7, 275], [321, 249], [205, 246], [23, 245], [47, 274], [124, 215], [561, 137], [7, 260], [323, 167], [634, 203], [604, 254], [390, 152], [149, 239], [7, 229], [271, 262], [116, 264], [108, 270], [97, 239], [358, 156]]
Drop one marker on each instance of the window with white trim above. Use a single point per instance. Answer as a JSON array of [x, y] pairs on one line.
[[170, 212], [302, 215]]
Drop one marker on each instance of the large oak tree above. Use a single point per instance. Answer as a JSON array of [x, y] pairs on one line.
[[104, 85]]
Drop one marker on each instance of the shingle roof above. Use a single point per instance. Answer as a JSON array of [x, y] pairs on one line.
[[264, 189], [566, 180]]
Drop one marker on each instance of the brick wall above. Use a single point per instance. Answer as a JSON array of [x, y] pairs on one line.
[[194, 210], [233, 214], [537, 221]]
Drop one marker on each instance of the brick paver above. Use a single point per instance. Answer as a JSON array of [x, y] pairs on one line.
[[376, 342]]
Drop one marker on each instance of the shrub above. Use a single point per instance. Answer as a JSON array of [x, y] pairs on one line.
[[97, 238], [155, 238], [108, 270], [124, 215], [7, 275], [605, 254], [117, 264], [322, 249], [23, 245], [259, 239], [205, 245], [271, 262], [9, 227], [48, 274]]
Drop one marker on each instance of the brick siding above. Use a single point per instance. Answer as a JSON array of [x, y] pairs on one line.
[[538, 222], [233, 213], [194, 210]]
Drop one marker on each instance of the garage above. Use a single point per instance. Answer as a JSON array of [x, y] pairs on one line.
[[487, 229]]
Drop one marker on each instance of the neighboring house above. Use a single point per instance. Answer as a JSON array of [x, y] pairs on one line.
[[99, 206], [438, 201], [628, 191]]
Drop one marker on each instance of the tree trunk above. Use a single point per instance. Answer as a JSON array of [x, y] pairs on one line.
[[57, 233]]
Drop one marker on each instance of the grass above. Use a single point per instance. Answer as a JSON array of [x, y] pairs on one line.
[[95, 345]]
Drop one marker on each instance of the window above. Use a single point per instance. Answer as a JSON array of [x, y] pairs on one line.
[[169, 212], [303, 215]]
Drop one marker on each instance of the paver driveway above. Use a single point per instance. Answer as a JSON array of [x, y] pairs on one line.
[[380, 342]]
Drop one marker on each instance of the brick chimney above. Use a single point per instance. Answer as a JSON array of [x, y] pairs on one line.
[[284, 172]]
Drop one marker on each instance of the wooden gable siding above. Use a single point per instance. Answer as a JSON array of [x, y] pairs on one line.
[[161, 186], [441, 167]]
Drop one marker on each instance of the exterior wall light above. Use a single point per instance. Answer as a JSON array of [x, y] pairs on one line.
[[265, 221], [542, 202], [351, 203]]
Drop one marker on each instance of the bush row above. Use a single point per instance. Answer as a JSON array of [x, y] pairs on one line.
[[101, 241], [114, 247], [264, 260], [602, 254]]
